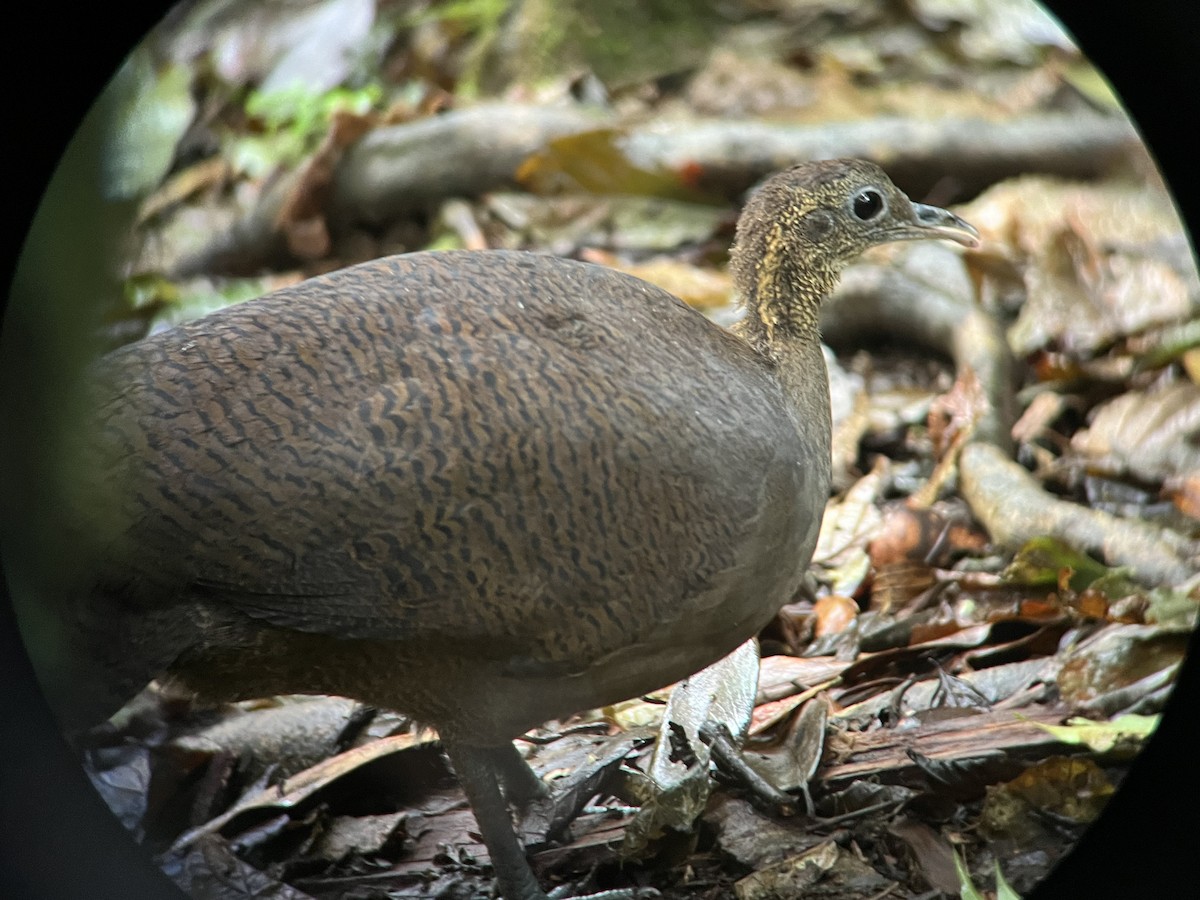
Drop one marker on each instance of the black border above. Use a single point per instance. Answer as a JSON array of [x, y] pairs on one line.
[[1145, 843], [58, 842], [57, 839]]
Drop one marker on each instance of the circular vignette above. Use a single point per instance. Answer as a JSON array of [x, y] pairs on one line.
[[59, 842]]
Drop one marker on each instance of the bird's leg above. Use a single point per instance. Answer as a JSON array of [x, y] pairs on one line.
[[521, 784], [480, 771], [477, 770], [564, 893]]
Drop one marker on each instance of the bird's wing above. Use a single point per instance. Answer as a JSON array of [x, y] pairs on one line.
[[473, 471]]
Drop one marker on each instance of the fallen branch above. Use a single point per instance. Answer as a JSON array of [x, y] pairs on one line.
[[397, 169], [973, 153], [928, 301], [394, 170], [877, 753], [1014, 509], [400, 168]]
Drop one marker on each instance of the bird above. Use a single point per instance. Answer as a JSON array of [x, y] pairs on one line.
[[486, 489]]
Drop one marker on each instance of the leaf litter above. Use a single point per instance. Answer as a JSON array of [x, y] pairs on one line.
[[1007, 578]]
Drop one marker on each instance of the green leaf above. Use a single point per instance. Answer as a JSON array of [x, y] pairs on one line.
[[1088, 80], [1101, 737], [292, 120], [1173, 608], [1041, 560], [154, 108], [148, 291], [1004, 890], [257, 156], [301, 109], [966, 889], [201, 297], [473, 14]]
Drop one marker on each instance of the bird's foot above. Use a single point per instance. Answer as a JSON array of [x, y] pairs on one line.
[[568, 892], [729, 758], [521, 785], [562, 892]]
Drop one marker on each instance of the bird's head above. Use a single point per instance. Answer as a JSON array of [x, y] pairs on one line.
[[805, 224]]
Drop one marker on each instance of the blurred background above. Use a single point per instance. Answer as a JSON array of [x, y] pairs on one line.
[[243, 147]]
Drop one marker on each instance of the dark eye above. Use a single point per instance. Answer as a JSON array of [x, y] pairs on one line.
[[867, 204]]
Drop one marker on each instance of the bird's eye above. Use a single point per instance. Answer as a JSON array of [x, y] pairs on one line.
[[867, 204]]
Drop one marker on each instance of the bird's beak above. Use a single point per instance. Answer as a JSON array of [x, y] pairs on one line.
[[935, 222]]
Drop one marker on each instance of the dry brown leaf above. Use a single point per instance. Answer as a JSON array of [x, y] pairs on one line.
[[210, 173], [1152, 434], [834, 614], [953, 419], [781, 676], [301, 218], [847, 527], [1101, 261], [1185, 494], [301, 787], [921, 534], [1034, 424], [895, 584], [1117, 656]]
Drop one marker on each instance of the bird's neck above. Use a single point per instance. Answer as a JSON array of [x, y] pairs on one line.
[[799, 364], [783, 302], [782, 288]]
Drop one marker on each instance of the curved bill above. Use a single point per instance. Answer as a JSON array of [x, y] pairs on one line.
[[933, 221]]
